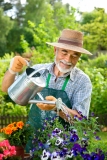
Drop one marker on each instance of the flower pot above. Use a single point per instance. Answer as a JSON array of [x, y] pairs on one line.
[[19, 151]]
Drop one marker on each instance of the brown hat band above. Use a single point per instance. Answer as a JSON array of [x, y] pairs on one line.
[[79, 44]]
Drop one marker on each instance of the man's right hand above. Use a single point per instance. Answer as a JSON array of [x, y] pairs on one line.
[[17, 63]]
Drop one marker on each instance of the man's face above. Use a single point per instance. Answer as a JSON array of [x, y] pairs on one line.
[[66, 59]]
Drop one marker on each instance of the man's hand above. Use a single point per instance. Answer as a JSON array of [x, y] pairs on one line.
[[47, 107], [73, 112], [17, 64]]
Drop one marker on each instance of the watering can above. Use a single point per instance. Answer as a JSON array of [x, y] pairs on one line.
[[27, 86]]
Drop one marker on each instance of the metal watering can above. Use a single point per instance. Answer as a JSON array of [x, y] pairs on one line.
[[27, 86]]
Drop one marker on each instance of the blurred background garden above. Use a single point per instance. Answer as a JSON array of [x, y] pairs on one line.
[[25, 29]]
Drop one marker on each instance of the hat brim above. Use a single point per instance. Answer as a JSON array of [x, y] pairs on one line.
[[69, 47]]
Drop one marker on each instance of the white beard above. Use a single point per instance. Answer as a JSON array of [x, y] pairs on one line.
[[62, 70]]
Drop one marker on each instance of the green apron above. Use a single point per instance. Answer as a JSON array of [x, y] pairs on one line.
[[37, 116]]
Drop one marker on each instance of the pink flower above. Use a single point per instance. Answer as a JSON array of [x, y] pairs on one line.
[[4, 143], [6, 153], [1, 156], [12, 151], [6, 149]]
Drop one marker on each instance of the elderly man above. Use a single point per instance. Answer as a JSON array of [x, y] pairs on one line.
[[63, 79]]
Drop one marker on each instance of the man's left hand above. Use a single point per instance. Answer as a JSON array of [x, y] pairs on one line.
[[47, 107]]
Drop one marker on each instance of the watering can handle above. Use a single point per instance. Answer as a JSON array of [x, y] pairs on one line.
[[28, 64], [36, 72]]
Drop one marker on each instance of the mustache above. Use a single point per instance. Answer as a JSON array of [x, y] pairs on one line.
[[68, 63]]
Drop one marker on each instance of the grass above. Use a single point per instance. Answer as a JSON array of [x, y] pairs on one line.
[[103, 136]]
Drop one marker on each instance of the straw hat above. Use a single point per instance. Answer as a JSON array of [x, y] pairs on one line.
[[71, 40]]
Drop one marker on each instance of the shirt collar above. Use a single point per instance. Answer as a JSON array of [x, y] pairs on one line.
[[51, 67]]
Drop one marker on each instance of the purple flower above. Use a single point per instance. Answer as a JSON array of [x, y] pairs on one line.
[[63, 152], [74, 138], [86, 157], [76, 149], [97, 138], [97, 156], [40, 145], [92, 114]]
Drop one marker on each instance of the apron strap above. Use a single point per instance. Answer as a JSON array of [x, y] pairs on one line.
[[65, 82], [48, 79], [64, 85]]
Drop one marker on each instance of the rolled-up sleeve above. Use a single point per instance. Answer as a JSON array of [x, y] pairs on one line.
[[82, 96]]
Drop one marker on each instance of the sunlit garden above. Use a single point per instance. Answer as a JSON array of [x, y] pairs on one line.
[[25, 33]]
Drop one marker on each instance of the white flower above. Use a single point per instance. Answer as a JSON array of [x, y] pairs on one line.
[[57, 131], [58, 141], [48, 142], [69, 154], [45, 155], [55, 156], [31, 153]]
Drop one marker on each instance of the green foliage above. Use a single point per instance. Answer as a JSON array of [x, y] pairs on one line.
[[99, 62], [46, 26], [96, 37], [57, 16], [40, 9], [90, 129], [13, 39], [86, 128], [88, 17], [40, 35], [4, 29], [5, 26], [98, 76], [98, 102]]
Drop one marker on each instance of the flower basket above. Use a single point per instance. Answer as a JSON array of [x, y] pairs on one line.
[[19, 151]]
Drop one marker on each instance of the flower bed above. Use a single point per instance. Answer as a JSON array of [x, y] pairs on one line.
[[78, 141]]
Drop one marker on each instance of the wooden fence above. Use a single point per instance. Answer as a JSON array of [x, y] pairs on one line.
[[6, 119]]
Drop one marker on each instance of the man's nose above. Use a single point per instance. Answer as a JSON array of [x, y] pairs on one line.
[[68, 58]]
